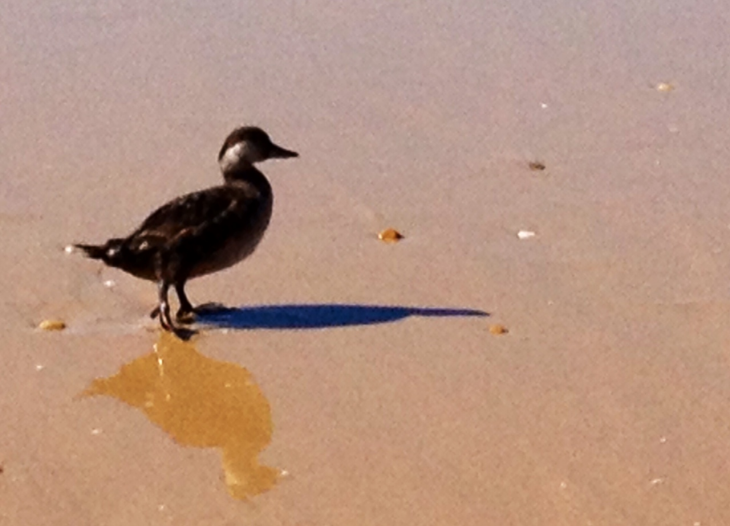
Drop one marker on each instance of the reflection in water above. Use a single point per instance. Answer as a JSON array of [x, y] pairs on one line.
[[200, 402]]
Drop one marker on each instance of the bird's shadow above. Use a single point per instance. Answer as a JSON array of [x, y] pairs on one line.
[[318, 315]]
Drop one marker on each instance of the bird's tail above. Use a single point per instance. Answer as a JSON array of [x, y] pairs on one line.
[[108, 252], [91, 251]]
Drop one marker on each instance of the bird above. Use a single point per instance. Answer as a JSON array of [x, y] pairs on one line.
[[201, 232]]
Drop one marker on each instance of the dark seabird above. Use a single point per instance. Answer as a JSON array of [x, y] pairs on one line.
[[201, 232]]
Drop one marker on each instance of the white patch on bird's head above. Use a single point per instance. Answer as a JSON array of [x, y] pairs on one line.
[[243, 153], [232, 156]]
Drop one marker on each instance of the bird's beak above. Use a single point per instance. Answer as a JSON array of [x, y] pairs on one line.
[[281, 153]]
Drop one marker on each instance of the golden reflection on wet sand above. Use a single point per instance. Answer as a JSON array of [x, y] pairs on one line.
[[200, 402]]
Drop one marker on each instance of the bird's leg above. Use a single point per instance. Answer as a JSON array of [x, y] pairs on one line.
[[168, 273], [186, 312], [164, 314], [186, 308], [163, 310]]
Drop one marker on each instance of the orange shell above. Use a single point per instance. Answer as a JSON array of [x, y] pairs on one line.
[[390, 235], [52, 325], [498, 329]]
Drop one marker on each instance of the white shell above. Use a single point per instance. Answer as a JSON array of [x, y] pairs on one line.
[[525, 234]]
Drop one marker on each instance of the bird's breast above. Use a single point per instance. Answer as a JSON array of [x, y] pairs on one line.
[[238, 238]]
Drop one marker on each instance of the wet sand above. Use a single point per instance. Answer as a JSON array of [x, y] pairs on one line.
[[353, 381]]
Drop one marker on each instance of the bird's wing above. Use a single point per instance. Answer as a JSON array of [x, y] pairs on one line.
[[187, 213]]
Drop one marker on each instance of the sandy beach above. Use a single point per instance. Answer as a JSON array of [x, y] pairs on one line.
[[352, 381]]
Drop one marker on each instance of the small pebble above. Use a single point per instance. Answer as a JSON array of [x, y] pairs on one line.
[[52, 325], [109, 283], [498, 329], [69, 249], [390, 235], [536, 166], [664, 87]]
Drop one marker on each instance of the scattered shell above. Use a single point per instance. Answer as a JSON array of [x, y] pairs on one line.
[[109, 283], [390, 235], [536, 166], [96, 431], [39, 367], [69, 249], [52, 325], [664, 87], [525, 234], [498, 329]]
